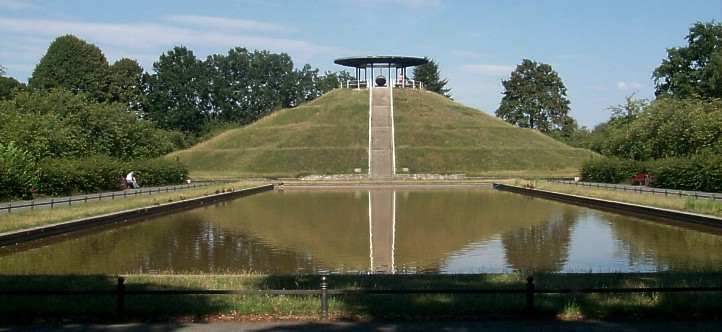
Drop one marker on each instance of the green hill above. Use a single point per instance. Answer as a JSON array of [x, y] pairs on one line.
[[330, 136], [437, 135]]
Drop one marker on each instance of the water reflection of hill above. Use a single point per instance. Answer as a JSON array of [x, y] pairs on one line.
[[433, 224]]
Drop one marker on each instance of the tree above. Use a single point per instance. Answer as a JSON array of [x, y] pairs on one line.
[[534, 97], [8, 87], [694, 70], [73, 64], [629, 110], [126, 79], [177, 93], [429, 75], [60, 124]]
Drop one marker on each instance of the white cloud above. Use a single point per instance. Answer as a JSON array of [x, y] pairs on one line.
[[153, 35], [488, 69], [225, 23], [18, 4], [628, 86]]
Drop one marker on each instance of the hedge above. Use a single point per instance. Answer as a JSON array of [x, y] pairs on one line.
[[702, 172], [68, 176], [610, 170]]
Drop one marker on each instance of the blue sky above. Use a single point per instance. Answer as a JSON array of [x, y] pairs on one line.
[[603, 50]]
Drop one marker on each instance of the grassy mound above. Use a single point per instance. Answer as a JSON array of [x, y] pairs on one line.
[[326, 136], [436, 135], [330, 136]]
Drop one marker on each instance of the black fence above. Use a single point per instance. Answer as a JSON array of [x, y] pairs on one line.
[[530, 290], [644, 189], [8, 207]]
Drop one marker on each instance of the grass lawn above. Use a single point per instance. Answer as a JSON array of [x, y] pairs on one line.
[[419, 306], [437, 135], [328, 135], [689, 204], [26, 219]]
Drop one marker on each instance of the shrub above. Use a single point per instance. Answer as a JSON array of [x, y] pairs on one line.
[[702, 172], [17, 172], [610, 170], [158, 172], [68, 176], [59, 124]]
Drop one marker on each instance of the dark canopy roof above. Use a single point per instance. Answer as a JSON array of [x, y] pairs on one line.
[[394, 61]]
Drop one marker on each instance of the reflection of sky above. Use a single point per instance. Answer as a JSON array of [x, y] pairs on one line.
[[486, 256], [594, 248]]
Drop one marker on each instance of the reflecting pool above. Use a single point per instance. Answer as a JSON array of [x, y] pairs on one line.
[[383, 230]]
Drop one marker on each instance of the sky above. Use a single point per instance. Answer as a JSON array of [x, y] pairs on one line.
[[602, 50]]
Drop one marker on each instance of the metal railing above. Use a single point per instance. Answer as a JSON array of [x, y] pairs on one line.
[[354, 84], [644, 189], [52, 202], [530, 291]]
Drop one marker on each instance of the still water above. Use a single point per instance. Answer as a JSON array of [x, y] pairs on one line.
[[376, 230]]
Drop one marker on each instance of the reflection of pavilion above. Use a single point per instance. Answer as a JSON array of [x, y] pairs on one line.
[[382, 230]]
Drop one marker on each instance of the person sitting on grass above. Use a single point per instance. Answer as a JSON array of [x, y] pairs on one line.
[[131, 182]]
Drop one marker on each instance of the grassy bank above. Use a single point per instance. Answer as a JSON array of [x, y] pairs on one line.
[[437, 135], [689, 204], [26, 219], [603, 306], [328, 135]]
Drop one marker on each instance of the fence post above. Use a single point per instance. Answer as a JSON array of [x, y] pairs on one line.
[[530, 294], [52, 202], [324, 298], [120, 297], [10, 206]]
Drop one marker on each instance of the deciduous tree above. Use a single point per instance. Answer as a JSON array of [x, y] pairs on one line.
[[178, 91], [696, 69], [8, 87], [534, 97], [73, 64], [126, 79]]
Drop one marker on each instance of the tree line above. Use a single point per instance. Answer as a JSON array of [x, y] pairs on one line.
[[183, 92], [78, 109]]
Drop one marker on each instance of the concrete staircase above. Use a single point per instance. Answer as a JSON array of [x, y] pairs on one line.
[[382, 146]]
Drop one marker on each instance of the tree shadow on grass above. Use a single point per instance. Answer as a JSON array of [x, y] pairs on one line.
[[411, 307], [95, 307]]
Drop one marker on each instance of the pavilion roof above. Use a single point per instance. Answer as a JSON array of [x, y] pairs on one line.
[[390, 60]]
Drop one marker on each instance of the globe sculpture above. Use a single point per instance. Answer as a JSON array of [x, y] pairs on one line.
[[380, 80]]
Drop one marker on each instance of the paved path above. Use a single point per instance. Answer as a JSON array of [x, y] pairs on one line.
[[79, 199], [523, 326], [381, 140]]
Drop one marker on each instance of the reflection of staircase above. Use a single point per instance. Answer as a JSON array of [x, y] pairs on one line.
[[382, 230], [382, 144]]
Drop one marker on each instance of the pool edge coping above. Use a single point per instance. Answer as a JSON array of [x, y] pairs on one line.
[[25, 235], [676, 217]]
